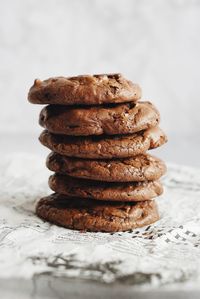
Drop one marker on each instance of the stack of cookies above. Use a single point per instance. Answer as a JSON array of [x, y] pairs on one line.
[[99, 133]]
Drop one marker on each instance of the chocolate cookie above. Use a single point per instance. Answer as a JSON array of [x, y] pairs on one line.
[[104, 147], [140, 168], [84, 90], [117, 119], [82, 188], [95, 216]]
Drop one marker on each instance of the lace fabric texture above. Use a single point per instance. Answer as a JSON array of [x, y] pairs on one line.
[[165, 253]]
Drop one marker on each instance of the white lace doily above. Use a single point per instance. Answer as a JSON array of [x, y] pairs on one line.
[[164, 253]]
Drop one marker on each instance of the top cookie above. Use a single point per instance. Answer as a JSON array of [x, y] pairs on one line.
[[84, 90]]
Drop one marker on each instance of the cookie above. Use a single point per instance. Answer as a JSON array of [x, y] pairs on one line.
[[140, 168], [118, 119], [88, 215], [82, 188], [104, 147], [84, 90]]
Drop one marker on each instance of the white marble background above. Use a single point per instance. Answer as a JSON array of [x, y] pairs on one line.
[[155, 43]]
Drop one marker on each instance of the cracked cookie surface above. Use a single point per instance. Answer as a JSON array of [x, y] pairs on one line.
[[95, 190], [84, 90], [111, 120], [88, 215], [104, 147], [143, 167]]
